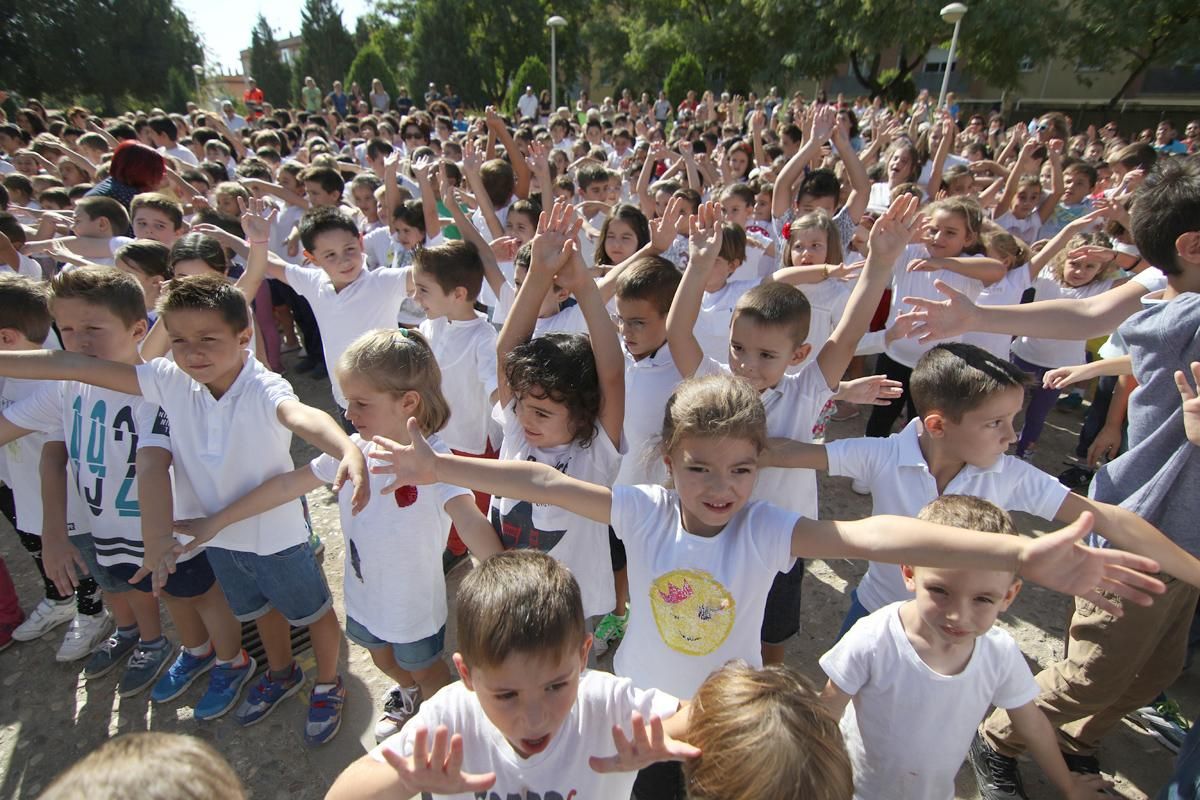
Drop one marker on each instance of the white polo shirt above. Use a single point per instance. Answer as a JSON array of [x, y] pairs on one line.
[[901, 483], [716, 315], [648, 385], [229, 446], [466, 353], [920, 284], [370, 301]]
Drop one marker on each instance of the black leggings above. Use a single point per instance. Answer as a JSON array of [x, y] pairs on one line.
[[884, 417]]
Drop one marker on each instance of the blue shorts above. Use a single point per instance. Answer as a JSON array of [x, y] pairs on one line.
[[412, 656], [290, 581], [857, 611], [191, 578], [105, 579]]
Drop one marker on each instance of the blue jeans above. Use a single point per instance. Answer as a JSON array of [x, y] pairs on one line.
[[289, 581]]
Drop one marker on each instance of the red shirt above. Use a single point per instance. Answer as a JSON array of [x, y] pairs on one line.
[[253, 98]]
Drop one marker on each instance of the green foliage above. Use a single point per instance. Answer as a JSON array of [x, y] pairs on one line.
[[532, 72], [367, 66], [326, 47], [686, 75], [266, 67]]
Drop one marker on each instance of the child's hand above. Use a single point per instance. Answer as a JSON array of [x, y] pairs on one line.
[[573, 274], [471, 160], [438, 772], [823, 123], [663, 229], [1059, 561], [200, 202], [1088, 787], [873, 390], [494, 121], [391, 162], [650, 745], [1191, 403], [353, 468], [505, 248], [925, 265], [60, 252], [1062, 377], [223, 236], [1027, 150], [201, 530], [158, 561], [940, 319], [1092, 255], [555, 238], [538, 158], [257, 218], [902, 328], [892, 232], [758, 121], [63, 562], [1105, 446], [704, 241], [409, 464]]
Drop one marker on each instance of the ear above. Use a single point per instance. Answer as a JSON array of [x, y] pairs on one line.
[[9, 337], [1011, 594], [935, 424], [308, 256], [460, 294], [800, 354], [244, 336], [139, 329], [908, 572], [464, 671], [583, 652], [410, 401], [1187, 247]]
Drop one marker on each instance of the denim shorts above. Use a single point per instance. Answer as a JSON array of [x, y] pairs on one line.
[[105, 579], [290, 581], [191, 578], [411, 656]]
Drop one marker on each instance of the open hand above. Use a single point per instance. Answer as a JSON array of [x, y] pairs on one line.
[[202, 530], [257, 218], [63, 562], [353, 468], [940, 319], [650, 745], [894, 229], [554, 241], [409, 464], [437, 772], [1191, 403], [704, 239], [873, 390]]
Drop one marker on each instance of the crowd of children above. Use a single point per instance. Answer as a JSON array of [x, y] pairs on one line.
[[598, 352]]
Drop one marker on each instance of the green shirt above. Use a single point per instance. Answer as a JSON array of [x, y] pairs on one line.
[[312, 99]]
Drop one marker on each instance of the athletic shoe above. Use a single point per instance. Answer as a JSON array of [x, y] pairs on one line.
[[860, 487], [1164, 721], [1070, 401], [325, 713], [109, 655], [1076, 478], [224, 688], [611, 629], [86, 632], [997, 775], [143, 667], [266, 695], [182, 673], [45, 617], [399, 706]]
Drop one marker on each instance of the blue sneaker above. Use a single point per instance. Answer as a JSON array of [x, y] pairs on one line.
[[142, 668], [325, 714], [109, 655], [182, 673], [224, 689], [266, 695]]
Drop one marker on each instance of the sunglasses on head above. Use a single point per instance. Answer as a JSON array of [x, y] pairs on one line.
[[1042, 126]]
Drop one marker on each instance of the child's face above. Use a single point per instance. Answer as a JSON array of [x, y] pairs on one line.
[[900, 166], [26, 165], [340, 254], [206, 347], [150, 223], [520, 226], [1027, 201], [191, 267], [546, 422], [962, 186], [613, 187], [563, 194], [151, 285], [984, 433], [721, 270], [736, 210], [809, 246], [762, 353], [429, 294], [200, 186], [319, 197], [408, 236], [808, 203], [364, 201], [620, 241], [739, 162], [762, 205], [94, 330], [89, 227], [374, 412], [714, 479], [529, 696], [642, 326], [597, 191], [227, 206], [1076, 186], [948, 235], [289, 181], [955, 606], [1078, 272], [551, 302], [661, 198]]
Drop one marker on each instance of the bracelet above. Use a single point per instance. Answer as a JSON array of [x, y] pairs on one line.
[[824, 271], [256, 241]]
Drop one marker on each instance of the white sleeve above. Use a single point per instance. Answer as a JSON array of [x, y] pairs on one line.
[[848, 662], [152, 425], [41, 411], [305, 281], [1033, 491], [486, 364], [155, 378], [273, 391], [634, 509], [861, 458], [1018, 686], [324, 467]]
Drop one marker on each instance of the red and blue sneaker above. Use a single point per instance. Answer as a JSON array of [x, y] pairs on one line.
[[266, 695], [325, 712]]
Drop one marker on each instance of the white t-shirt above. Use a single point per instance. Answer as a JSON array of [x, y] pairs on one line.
[[716, 316], [114, 244], [396, 534], [181, 153], [527, 105], [1005, 292], [559, 771], [100, 428], [26, 266], [230, 446], [1024, 229], [568, 320], [695, 601], [371, 301], [21, 458], [380, 246], [901, 483], [466, 353], [920, 284], [648, 385], [287, 219], [1052, 353], [827, 299], [579, 543], [908, 727]]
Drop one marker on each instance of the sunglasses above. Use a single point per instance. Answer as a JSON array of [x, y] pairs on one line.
[[1041, 126]]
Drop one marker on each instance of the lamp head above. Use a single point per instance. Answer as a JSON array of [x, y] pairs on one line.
[[556, 22], [953, 13]]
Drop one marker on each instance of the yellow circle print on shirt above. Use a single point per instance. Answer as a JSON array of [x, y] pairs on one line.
[[693, 611]]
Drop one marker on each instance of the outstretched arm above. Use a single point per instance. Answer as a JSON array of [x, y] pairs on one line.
[[271, 494], [318, 429], [59, 365]]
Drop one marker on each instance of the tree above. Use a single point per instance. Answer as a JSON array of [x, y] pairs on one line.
[[326, 47], [686, 75], [367, 66], [441, 35], [532, 72], [266, 67]]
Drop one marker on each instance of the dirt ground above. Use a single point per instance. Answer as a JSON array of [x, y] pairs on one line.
[[50, 717]]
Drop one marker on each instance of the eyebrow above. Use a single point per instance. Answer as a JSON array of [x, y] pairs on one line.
[[557, 679]]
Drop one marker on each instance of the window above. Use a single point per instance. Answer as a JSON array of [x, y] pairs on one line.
[[1026, 64], [1083, 66]]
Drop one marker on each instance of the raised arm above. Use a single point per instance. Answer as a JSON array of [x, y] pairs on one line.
[[704, 246], [258, 217], [758, 121], [1044, 257], [821, 128], [59, 365], [496, 126], [470, 168], [538, 162], [645, 201], [417, 464], [662, 234], [491, 269], [423, 172], [1024, 162], [945, 144], [856, 173], [275, 190], [1057, 187]]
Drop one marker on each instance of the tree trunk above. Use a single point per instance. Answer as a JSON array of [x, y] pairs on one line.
[[1138, 71], [871, 80]]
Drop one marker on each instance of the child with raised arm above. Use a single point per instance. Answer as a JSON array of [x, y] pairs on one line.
[[938, 651], [699, 554], [563, 398], [528, 713], [223, 404], [767, 336], [390, 376]]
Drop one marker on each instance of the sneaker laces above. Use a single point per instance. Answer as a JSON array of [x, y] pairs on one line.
[[401, 702], [110, 644], [1003, 771], [142, 657]]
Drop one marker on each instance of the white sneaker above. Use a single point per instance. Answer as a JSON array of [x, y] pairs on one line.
[[47, 616], [84, 634], [860, 487], [399, 706]]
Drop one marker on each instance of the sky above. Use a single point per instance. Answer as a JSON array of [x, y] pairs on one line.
[[225, 25]]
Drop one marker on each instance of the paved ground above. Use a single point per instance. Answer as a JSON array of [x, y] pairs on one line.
[[49, 717]]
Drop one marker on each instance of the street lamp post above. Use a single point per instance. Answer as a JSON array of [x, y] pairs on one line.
[[952, 14], [197, 71], [554, 23]]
